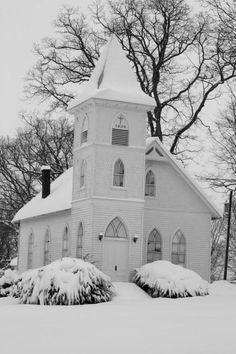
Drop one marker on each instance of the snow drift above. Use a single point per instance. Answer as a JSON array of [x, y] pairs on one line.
[[68, 281], [7, 281], [164, 279]]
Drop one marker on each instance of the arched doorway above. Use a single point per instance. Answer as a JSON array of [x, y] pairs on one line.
[[116, 251]]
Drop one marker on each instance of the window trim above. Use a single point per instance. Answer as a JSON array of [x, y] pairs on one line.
[[66, 251], [117, 237], [30, 250], [150, 196], [113, 174], [84, 166], [85, 120], [185, 248], [47, 253], [161, 242], [113, 127], [77, 240]]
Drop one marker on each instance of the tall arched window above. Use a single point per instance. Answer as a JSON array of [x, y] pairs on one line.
[[119, 172], [84, 130], [116, 229], [82, 173], [150, 184], [154, 246], [178, 255], [47, 256], [65, 243], [30, 251], [80, 241], [120, 131]]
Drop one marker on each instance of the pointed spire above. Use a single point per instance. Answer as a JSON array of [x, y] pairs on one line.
[[113, 79]]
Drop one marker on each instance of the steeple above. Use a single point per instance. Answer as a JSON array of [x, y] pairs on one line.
[[113, 79]]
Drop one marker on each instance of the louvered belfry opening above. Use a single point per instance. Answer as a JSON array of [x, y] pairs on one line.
[[120, 132]]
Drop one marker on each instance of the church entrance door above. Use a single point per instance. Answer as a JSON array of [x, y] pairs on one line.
[[116, 258]]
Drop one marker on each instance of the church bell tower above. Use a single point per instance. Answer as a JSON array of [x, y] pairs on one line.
[[109, 166]]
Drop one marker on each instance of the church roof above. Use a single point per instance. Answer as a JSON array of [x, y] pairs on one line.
[[113, 79], [61, 190], [59, 199]]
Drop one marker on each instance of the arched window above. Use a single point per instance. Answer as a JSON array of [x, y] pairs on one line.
[[150, 184], [178, 255], [154, 247], [30, 251], [82, 174], [80, 241], [84, 130], [120, 131], [119, 172], [47, 256], [65, 243], [116, 229]]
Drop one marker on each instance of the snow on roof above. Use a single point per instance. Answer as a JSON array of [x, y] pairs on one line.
[[59, 199], [113, 79], [13, 262], [216, 213]]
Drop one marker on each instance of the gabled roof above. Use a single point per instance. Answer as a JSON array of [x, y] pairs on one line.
[[59, 199], [113, 79], [161, 150]]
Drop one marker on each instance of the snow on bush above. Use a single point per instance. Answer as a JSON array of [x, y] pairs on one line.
[[6, 282], [67, 281], [164, 279]]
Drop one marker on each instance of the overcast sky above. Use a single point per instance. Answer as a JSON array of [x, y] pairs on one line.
[[23, 23]]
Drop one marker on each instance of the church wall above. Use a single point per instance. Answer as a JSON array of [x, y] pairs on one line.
[[106, 115], [196, 229], [82, 212], [134, 164], [56, 224], [172, 191], [177, 206]]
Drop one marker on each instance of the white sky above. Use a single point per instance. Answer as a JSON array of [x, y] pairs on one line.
[[23, 23]]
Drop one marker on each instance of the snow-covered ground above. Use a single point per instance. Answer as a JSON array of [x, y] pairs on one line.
[[131, 323]]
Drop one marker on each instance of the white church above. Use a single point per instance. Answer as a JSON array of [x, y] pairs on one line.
[[126, 201]]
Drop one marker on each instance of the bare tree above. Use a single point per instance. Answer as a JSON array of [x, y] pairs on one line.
[[224, 154], [41, 142], [218, 236], [179, 59]]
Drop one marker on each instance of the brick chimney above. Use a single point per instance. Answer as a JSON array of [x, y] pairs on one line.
[[45, 181]]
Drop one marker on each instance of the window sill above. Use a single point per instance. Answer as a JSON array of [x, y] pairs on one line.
[[119, 188], [116, 238]]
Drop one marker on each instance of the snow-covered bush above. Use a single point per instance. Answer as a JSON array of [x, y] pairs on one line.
[[164, 279], [6, 282], [68, 281]]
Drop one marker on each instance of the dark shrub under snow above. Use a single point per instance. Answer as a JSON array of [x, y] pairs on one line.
[[164, 279], [68, 281], [6, 282]]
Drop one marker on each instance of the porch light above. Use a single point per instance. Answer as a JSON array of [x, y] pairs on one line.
[[100, 236]]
